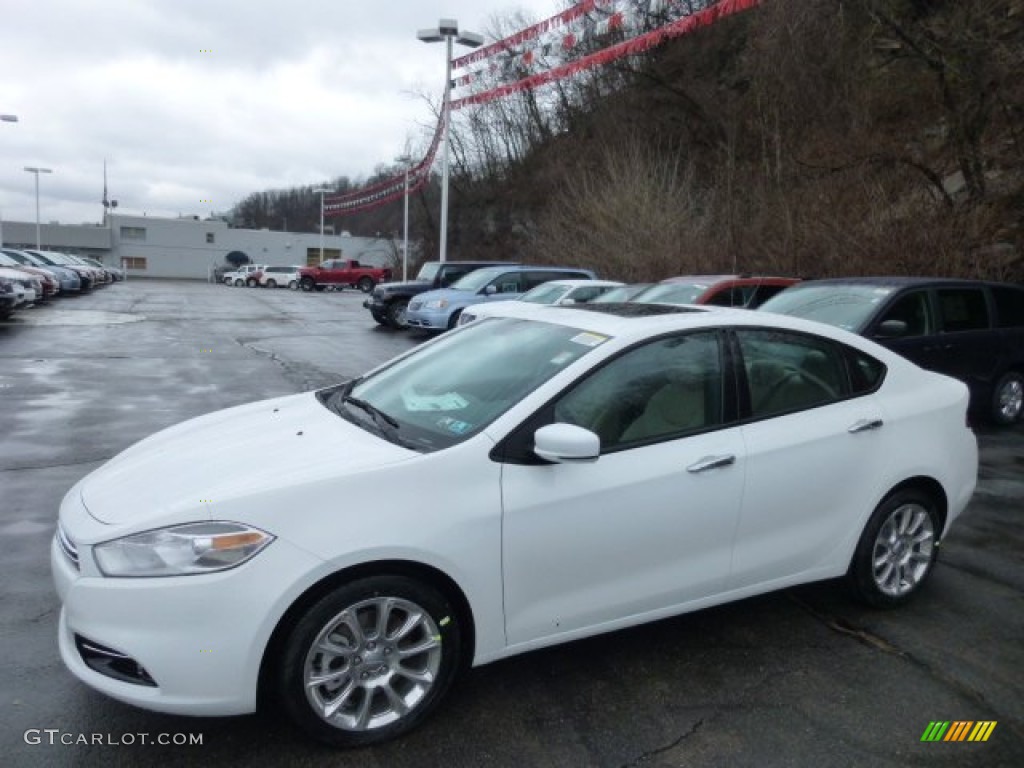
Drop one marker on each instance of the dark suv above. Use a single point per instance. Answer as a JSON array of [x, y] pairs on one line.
[[969, 329]]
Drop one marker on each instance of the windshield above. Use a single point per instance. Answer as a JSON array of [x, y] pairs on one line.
[[476, 280], [845, 306], [428, 271], [622, 293], [45, 260], [447, 391], [546, 293], [672, 293]]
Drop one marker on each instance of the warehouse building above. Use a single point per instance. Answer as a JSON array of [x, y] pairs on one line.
[[191, 247]]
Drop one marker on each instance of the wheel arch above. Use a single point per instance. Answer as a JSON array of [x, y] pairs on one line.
[[928, 485], [435, 577]]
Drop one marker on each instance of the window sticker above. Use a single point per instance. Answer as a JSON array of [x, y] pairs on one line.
[[589, 339], [449, 401], [454, 425]]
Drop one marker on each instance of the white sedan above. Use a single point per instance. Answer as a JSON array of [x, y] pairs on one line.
[[560, 292], [525, 481]]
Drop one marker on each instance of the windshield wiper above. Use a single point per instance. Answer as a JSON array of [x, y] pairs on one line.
[[377, 414]]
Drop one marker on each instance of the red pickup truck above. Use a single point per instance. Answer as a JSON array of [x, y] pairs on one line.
[[338, 273]]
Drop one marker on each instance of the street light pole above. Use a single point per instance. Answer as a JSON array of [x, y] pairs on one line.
[[405, 160], [447, 30], [322, 191], [37, 171]]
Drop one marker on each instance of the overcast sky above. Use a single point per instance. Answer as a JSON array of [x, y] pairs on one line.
[[290, 93]]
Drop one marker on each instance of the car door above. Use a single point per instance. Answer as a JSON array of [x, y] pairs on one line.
[[918, 338], [968, 345], [811, 441], [647, 526]]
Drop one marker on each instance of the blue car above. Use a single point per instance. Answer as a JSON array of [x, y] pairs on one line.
[[439, 310]]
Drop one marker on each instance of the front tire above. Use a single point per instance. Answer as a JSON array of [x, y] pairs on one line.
[[365, 284], [1008, 399], [396, 314], [293, 285], [370, 660], [307, 284], [271, 283], [239, 282], [897, 550], [252, 283]]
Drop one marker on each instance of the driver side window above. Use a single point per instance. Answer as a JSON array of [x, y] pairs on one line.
[[662, 390]]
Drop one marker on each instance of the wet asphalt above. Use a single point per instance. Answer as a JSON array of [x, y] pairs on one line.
[[803, 677]]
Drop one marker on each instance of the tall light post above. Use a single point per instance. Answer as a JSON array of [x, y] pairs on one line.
[[37, 171], [322, 191], [447, 30], [405, 160]]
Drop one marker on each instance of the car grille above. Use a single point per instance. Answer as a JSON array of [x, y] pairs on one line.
[[67, 546]]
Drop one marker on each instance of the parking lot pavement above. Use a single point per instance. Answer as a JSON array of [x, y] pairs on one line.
[[801, 677]]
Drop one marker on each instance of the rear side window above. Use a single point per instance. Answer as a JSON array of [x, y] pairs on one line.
[[1009, 306], [789, 372], [962, 309], [510, 282], [736, 296]]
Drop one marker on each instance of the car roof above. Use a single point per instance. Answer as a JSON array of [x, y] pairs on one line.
[[631, 321], [575, 283], [712, 280], [899, 281]]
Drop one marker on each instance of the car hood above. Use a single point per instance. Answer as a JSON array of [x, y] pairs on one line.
[[229, 454], [451, 295], [410, 285]]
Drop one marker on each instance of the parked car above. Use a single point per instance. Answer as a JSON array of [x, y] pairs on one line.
[[389, 301], [280, 277], [720, 290], [70, 281], [49, 284], [26, 287], [342, 273], [116, 273], [553, 292], [622, 293], [8, 299], [439, 310], [87, 275], [241, 275], [535, 478], [964, 328]]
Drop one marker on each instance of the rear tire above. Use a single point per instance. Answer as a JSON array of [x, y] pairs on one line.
[[239, 282], [1008, 399], [293, 285], [271, 283], [370, 660], [897, 550], [252, 282]]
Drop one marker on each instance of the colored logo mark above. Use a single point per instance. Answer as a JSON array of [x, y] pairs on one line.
[[959, 730]]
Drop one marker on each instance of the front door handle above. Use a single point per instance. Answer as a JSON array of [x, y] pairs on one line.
[[711, 462], [863, 425]]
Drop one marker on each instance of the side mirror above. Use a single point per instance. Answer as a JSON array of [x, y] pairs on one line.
[[490, 290], [566, 444], [891, 329]]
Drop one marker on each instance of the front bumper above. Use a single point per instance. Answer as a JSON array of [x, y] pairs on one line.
[[428, 319], [200, 639]]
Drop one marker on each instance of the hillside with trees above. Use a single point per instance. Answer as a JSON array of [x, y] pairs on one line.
[[808, 137]]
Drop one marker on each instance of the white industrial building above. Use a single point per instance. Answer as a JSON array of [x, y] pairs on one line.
[[191, 247]]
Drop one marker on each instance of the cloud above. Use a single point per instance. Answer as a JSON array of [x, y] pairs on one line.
[[191, 101]]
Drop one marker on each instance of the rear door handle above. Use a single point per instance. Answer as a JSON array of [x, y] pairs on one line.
[[711, 462], [863, 425]]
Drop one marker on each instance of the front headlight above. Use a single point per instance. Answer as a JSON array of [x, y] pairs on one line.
[[181, 550], [436, 304]]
